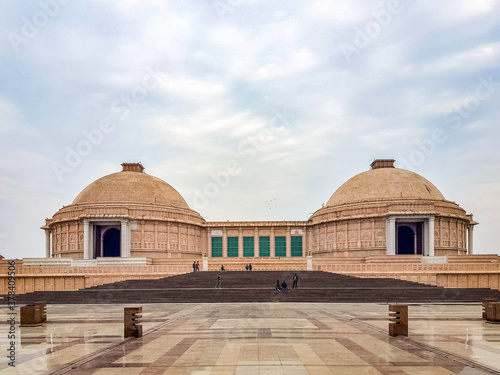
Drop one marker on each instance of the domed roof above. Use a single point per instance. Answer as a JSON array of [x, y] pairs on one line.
[[131, 185], [382, 183]]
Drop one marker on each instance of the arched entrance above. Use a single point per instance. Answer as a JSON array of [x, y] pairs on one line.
[[111, 243], [406, 240]]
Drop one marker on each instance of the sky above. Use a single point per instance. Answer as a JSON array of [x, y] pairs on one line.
[[251, 109]]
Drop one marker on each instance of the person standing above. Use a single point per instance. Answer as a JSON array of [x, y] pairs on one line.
[[295, 281], [218, 285], [197, 266], [194, 266]]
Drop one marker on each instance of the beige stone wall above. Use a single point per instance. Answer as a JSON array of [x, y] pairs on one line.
[[450, 233], [67, 239], [157, 239], [362, 226], [170, 232], [336, 237], [162, 231]]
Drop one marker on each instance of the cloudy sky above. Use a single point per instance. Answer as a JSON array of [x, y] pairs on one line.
[[251, 109]]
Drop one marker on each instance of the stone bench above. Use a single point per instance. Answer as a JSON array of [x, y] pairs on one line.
[[398, 315], [33, 315], [491, 311], [131, 322]]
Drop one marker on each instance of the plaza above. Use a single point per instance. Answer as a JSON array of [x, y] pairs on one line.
[[257, 338]]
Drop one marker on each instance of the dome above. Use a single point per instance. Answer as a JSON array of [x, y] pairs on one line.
[[384, 183], [131, 185]]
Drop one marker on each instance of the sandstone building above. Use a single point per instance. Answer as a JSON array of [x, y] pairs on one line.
[[383, 211]]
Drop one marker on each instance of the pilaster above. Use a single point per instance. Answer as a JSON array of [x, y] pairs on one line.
[[86, 239], [391, 235]]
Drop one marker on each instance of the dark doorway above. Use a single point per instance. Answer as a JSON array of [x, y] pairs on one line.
[[406, 240], [111, 243]]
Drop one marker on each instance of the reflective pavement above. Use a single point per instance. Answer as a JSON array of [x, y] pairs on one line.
[[254, 338]]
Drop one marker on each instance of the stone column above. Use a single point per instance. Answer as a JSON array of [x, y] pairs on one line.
[[288, 242], [326, 238], [179, 235], [168, 241], [204, 264], [209, 242], [142, 235], [335, 236], [67, 237], [304, 242], [346, 226], [390, 240], [359, 234], [256, 249], [156, 236], [373, 233], [125, 236], [224, 242], [470, 239], [240, 243], [430, 251], [47, 243], [272, 244], [86, 239]]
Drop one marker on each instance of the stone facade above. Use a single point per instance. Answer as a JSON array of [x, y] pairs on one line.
[[384, 211]]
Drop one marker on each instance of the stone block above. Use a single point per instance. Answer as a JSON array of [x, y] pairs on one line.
[[399, 317]]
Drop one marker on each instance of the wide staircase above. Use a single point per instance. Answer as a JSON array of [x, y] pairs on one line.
[[258, 286]]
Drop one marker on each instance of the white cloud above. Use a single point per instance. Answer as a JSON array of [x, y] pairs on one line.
[[190, 89], [296, 63], [222, 78], [475, 59]]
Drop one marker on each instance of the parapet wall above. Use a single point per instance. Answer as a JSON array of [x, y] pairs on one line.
[[472, 271]]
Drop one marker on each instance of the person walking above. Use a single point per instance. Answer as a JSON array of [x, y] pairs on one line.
[[295, 281], [194, 266], [218, 285], [197, 266]]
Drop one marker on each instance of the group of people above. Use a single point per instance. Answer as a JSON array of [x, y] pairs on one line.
[[279, 287], [284, 285], [196, 266]]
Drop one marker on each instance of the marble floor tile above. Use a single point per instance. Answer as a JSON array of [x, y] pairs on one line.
[[257, 338]]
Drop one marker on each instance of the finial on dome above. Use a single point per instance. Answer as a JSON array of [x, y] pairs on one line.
[[382, 163], [132, 167]]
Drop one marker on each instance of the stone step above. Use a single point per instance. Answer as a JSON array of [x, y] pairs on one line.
[[258, 286]]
